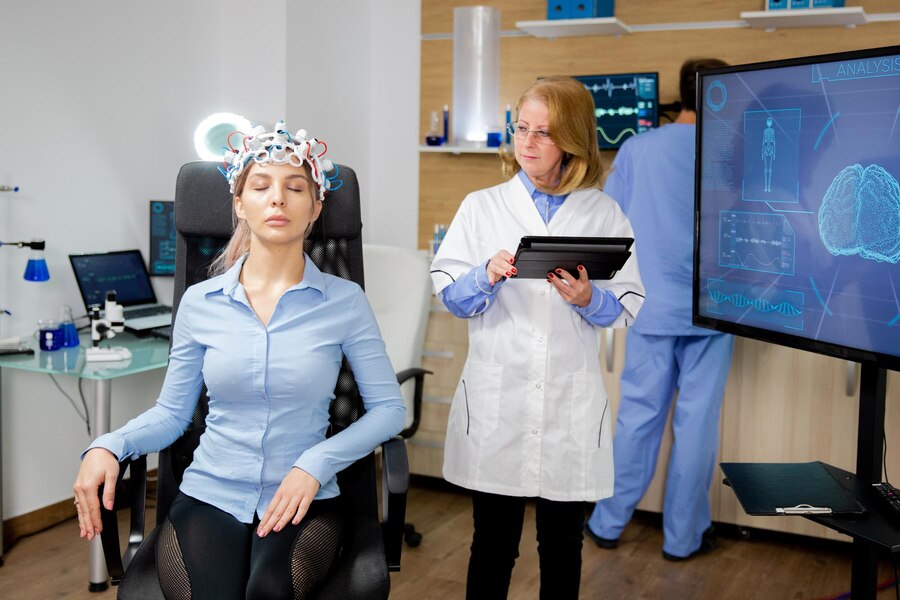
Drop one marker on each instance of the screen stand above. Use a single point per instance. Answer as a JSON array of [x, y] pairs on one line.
[[869, 444]]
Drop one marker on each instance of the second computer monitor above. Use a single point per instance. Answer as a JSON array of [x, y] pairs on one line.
[[626, 105]]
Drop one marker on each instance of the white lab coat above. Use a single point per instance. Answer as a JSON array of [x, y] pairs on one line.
[[530, 415]]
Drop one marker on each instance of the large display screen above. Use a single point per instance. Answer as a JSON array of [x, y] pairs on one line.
[[626, 104], [797, 236]]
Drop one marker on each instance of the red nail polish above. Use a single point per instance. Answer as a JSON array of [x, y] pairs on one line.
[[559, 271], [507, 273], [514, 271], [580, 268], [549, 276], [512, 260]]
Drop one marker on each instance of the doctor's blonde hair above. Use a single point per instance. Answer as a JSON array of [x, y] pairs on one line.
[[573, 128]]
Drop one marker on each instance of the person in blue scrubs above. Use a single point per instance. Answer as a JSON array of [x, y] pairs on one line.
[[652, 178], [258, 514]]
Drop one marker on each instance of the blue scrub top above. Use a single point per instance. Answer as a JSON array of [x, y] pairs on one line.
[[652, 179]]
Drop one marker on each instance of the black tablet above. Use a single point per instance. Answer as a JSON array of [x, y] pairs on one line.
[[538, 255]]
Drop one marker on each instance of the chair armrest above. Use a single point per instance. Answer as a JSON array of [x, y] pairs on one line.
[[419, 374], [394, 487], [116, 561]]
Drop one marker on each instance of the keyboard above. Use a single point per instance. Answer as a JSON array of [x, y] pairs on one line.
[[162, 332], [888, 498], [146, 312]]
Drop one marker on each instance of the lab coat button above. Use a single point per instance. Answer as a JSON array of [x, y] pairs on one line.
[[540, 339], [534, 431], [537, 385]]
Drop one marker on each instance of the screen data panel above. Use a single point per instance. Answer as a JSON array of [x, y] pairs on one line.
[[798, 202], [625, 105]]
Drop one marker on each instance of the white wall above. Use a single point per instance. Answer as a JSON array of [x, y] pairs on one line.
[[366, 102], [96, 119]]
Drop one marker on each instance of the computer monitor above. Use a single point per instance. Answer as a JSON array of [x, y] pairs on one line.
[[162, 237], [626, 105], [797, 231]]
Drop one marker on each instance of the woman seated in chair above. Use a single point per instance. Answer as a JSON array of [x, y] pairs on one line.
[[257, 513]]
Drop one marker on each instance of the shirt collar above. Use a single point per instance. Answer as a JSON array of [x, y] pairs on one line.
[[312, 278], [534, 192]]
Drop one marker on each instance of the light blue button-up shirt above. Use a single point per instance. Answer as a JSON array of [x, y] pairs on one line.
[[472, 293], [269, 389]]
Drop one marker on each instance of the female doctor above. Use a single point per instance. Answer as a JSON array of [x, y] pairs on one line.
[[530, 416]]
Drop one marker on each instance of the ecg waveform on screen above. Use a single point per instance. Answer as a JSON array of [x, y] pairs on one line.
[[760, 304], [609, 87], [615, 140], [756, 242], [620, 111]]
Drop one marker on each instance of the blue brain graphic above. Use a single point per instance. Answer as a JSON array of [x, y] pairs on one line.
[[860, 214]]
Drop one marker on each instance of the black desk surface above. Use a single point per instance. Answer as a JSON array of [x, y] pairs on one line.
[[873, 526]]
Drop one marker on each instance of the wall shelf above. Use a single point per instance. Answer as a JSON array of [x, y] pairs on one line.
[[849, 16], [459, 149], [558, 28]]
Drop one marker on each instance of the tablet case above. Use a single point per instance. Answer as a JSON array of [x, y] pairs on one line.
[[786, 488], [601, 256]]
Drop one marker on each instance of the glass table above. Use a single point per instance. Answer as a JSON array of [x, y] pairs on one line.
[[147, 354]]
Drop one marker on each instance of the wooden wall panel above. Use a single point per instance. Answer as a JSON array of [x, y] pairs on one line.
[[525, 58]]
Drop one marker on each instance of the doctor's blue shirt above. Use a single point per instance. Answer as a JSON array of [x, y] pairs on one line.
[[472, 293], [269, 389]]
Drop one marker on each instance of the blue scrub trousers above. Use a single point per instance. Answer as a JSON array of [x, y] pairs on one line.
[[655, 366]]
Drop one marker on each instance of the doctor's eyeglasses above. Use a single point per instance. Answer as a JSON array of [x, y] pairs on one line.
[[541, 136]]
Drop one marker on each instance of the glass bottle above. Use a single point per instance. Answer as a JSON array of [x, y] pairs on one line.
[[434, 137], [69, 331]]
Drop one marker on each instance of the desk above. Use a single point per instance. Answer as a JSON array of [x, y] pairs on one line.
[[147, 354]]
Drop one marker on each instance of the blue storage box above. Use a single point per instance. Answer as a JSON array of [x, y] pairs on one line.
[[579, 9], [776, 4], [827, 3], [558, 9], [587, 9], [799, 3]]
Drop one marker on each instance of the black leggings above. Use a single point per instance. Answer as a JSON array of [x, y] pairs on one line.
[[495, 546], [204, 552]]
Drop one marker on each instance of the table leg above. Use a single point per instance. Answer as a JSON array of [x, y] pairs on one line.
[[98, 578]]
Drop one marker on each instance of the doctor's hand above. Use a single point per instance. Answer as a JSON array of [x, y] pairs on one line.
[[100, 466], [290, 503], [500, 266], [574, 291]]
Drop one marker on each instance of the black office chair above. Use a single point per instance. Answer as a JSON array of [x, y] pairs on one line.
[[371, 549]]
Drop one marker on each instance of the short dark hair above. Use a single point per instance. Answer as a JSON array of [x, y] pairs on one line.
[[688, 79]]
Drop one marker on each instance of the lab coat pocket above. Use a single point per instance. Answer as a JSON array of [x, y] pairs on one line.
[[478, 397], [590, 411]]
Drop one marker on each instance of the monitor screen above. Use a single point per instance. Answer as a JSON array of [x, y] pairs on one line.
[[797, 232], [626, 104], [162, 237]]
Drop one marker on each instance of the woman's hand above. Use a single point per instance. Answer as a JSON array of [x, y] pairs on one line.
[[574, 291], [290, 503], [100, 466], [500, 266]]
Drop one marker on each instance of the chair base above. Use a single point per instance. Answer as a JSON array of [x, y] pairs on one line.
[[413, 538]]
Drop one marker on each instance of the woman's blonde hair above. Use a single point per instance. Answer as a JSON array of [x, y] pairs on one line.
[[239, 244], [573, 128]]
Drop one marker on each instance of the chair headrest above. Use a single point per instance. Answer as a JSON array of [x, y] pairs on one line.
[[203, 204]]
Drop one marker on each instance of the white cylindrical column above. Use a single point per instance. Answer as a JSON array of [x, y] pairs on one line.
[[476, 74]]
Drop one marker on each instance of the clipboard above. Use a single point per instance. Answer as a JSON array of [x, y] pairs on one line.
[[765, 489], [538, 255]]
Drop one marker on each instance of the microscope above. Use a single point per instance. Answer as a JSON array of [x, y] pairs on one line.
[[113, 322]]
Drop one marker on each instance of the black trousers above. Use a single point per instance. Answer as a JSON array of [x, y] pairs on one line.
[[208, 554], [495, 546]]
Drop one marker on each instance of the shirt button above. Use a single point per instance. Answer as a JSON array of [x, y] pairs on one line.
[[537, 385], [534, 431], [540, 339], [543, 292]]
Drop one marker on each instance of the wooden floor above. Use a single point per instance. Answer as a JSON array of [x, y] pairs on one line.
[[53, 564]]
